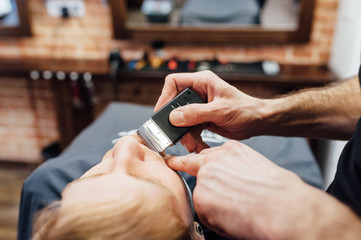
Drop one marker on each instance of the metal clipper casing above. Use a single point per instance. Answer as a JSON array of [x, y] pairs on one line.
[[157, 132]]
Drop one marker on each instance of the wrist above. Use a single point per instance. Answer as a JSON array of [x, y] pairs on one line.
[[271, 112], [290, 116], [255, 114]]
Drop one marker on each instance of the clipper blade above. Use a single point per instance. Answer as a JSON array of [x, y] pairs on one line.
[[153, 136]]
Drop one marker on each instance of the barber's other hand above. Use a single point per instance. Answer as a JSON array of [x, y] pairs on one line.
[[241, 194], [228, 111]]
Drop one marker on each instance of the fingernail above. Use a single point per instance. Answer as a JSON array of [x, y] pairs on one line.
[[177, 117]]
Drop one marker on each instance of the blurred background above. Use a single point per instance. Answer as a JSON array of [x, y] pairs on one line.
[[63, 61]]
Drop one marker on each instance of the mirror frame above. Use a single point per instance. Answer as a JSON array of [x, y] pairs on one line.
[[23, 29], [196, 35]]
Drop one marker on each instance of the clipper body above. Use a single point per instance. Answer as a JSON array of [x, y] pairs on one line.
[[157, 132]]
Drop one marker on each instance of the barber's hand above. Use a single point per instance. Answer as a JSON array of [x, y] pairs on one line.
[[241, 194], [228, 111]]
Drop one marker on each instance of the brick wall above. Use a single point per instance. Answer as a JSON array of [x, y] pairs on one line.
[[90, 38], [27, 118]]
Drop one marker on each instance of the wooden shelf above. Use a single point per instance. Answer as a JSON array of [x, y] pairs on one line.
[[144, 87], [289, 74]]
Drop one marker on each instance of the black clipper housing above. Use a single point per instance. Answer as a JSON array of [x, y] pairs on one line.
[[157, 132]]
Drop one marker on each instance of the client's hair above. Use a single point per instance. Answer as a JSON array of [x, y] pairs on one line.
[[134, 216]]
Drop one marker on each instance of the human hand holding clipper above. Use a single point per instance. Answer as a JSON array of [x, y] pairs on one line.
[[228, 111]]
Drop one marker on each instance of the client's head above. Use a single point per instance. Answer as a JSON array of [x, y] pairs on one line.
[[130, 194]]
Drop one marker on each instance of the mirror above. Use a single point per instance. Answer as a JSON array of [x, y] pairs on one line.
[[8, 13], [213, 21], [13, 18]]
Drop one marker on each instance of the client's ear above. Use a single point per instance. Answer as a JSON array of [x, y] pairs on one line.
[[198, 232]]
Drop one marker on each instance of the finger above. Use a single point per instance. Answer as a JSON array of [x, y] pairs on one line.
[[194, 114], [190, 163], [200, 146], [164, 98], [188, 142], [169, 91], [177, 82], [193, 141], [194, 146], [199, 81]]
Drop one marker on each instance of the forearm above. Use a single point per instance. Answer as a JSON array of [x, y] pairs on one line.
[[313, 215], [329, 112], [346, 226], [331, 220]]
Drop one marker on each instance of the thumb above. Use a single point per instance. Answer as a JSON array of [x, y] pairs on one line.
[[190, 163], [192, 114]]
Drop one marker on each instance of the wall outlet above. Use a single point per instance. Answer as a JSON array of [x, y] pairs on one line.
[[75, 8]]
